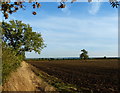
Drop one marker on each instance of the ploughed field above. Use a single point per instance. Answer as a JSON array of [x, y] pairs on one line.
[[97, 75]]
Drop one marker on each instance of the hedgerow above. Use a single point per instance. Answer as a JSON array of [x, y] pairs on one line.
[[10, 62]]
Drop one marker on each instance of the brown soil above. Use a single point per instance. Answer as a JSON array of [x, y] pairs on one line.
[[96, 75]]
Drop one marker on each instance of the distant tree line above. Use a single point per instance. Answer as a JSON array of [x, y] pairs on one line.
[[54, 59]]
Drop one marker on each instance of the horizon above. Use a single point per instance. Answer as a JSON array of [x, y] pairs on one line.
[[80, 25], [75, 57]]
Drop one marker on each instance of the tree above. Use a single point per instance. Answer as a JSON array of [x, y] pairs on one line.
[[20, 38], [8, 7], [105, 57], [84, 54]]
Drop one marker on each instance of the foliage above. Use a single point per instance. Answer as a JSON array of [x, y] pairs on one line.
[[9, 62], [8, 7], [20, 38], [12, 7], [115, 4], [17, 38], [84, 55]]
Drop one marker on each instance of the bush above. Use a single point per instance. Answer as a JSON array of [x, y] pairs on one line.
[[10, 62]]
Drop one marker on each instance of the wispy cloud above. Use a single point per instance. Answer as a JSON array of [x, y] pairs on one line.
[[95, 6], [69, 35]]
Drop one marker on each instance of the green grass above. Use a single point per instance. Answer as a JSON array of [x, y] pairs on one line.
[[55, 82]]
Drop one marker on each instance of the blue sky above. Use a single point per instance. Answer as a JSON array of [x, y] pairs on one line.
[[81, 25]]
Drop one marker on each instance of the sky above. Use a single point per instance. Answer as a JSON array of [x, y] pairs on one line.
[[81, 25]]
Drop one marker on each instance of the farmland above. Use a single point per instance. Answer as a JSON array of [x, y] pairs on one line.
[[95, 75]]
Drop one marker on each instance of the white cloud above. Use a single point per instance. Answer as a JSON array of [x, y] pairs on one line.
[[95, 6]]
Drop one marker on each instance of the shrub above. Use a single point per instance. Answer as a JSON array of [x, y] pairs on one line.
[[10, 62]]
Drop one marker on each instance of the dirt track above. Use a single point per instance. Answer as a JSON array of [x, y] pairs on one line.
[[25, 80]]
